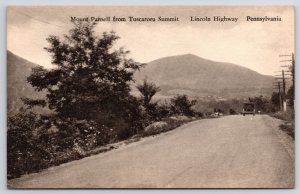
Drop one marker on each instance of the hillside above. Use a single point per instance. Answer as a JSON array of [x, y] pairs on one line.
[[183, 74], [18, 69], [193, 75]]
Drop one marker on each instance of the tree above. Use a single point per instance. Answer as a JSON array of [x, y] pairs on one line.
[[275, 100], [147, 90], [24, 154], [181, 105], [261, 104], [291, 96], [90, 80]]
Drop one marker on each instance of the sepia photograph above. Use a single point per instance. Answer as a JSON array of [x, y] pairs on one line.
[[150, 97]]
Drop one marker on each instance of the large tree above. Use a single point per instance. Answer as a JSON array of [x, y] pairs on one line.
[[91, 78]]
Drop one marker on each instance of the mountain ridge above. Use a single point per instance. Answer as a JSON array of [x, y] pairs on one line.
[[210, 77], [18, 69], [180, 74]]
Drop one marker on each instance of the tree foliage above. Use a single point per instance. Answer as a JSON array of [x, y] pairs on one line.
[[262, 104], [291, 96], [24, 155], [151, 112], [291, 91], [147, 90], [182, 105], [90, 80], [275, 100]]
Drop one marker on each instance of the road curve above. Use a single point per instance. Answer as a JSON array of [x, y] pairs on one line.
[[227, 152]]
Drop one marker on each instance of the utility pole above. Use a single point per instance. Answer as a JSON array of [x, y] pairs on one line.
[[283, 87], [283, 78]]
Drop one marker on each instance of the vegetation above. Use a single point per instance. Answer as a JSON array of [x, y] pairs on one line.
[[232, 106], [275, 100], [289, 116], [262, 104], [291, 90], [291, 96], [90, 82], [148, 90], [235, 106], [289, 121], [165, 125], [181, 105], [24, 155]]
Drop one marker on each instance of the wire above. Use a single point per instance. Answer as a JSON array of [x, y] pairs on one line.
[[38, 19]]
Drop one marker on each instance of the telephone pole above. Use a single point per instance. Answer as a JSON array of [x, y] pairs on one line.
[[283, 87], [283, 77]]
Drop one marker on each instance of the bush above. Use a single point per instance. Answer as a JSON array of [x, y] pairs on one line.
[[166, 124], [262, 104], [156, 127], [24, 155], [224, 106], [83, 133], [289, 118], [289, 128], [232, 112], [32, 146], [181, 105]]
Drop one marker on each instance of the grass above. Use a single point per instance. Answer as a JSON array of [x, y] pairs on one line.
[[289, 128], [289, 121]]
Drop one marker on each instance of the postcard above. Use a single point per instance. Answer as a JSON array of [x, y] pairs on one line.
[[150, 97]]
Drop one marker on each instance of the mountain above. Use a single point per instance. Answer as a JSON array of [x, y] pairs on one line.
[[198, 77], [18, 69], [183, 74]]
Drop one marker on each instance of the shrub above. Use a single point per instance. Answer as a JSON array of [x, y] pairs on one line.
[[156, 127], [232, 112], [262, 104], [24, 155], [289, 118], [164, 110], [289, 128], [147, 90], [181, 105]]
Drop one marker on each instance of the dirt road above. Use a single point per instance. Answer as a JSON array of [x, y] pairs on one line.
[[227, 152]]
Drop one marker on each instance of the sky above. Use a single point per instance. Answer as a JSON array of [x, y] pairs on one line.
[[252, 44]]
